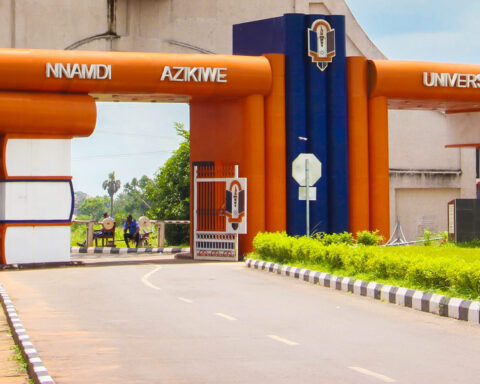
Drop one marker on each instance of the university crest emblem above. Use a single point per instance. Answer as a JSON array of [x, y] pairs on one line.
[[321, 43]]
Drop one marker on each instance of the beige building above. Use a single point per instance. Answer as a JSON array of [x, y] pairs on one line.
[[424, 175]]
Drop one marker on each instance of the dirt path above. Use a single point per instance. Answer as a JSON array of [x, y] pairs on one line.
[[10, 370]]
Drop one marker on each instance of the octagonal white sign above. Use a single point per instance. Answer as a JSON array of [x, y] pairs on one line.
[[299, 166]]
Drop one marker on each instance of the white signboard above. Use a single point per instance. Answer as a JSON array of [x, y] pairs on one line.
[[312, 193], [236, 205], [451, 219]]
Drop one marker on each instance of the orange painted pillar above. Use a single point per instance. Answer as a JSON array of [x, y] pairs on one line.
[[378, 165], [253, 166], [275, 149], [358, 169]]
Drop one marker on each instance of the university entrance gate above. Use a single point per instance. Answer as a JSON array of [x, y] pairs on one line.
[[48, 97], [258, 112]]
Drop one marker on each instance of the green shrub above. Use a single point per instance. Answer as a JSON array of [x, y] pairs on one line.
[[427, 237], [274, 245], [334, 238], [451, 270], [369, 237]]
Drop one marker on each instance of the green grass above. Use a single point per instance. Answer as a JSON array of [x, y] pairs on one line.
[[449, 270], [18, 357]]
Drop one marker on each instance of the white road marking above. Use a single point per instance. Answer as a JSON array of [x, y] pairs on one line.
[[379, 376], [185, 299], [228, 317], [148, 283], [282, 340]]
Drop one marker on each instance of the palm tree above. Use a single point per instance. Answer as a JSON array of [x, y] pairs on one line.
[[112, 186]]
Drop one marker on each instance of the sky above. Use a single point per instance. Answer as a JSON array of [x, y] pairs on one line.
[[130, 139], [426, 30], [135, 139]]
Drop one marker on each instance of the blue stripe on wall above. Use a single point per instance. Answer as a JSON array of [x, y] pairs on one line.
[[296, 114]]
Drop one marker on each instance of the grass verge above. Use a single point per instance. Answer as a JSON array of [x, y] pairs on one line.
[[447, 270]]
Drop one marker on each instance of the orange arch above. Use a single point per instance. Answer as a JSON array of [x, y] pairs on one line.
[[26, 70], [404, 80]]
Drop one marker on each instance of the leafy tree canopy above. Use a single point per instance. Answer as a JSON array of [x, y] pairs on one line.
[[132, 199], [93, 207], [169, 191]]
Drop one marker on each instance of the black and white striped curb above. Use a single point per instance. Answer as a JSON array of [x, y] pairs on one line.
[[36, 368], [423, 301], [124, 251]]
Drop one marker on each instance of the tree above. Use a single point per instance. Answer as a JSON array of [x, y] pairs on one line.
[[112, 186], [132, 199], [137, 189], [79, 198], [93, 207], [169, 191]]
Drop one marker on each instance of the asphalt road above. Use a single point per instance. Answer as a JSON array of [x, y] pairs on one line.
[[224, 323]]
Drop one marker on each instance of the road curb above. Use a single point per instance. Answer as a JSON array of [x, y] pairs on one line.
[[36, 369], [120, 251], [422, 301]]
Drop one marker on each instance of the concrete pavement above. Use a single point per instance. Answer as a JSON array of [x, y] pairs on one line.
[[223, 323]]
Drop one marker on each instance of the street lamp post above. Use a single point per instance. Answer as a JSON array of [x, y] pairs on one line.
[[307, 197]]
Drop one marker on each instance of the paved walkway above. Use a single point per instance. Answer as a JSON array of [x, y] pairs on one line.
[[10, 370]]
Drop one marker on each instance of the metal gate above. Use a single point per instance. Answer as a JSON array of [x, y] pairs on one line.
[[219, 211]]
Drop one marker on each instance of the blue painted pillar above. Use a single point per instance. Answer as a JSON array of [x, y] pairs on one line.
[[316, 108]]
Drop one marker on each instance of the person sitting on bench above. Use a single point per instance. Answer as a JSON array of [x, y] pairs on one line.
[[108, 227], [133, 231], [103, 231]]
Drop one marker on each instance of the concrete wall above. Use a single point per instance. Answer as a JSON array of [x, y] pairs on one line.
[[205, 25], [51, 24], [179, 26], [462, 128], [421, 166], [430, 217]]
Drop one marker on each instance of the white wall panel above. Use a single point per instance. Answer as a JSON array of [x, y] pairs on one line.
[[37, 244], [35, 200], [38, 157]]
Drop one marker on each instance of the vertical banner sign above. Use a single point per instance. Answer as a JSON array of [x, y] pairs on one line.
[[236, 205]]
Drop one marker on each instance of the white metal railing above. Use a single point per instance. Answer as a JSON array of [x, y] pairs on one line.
[[159, 224]]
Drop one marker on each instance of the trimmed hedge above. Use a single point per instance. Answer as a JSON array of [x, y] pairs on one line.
[[453, 270]]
